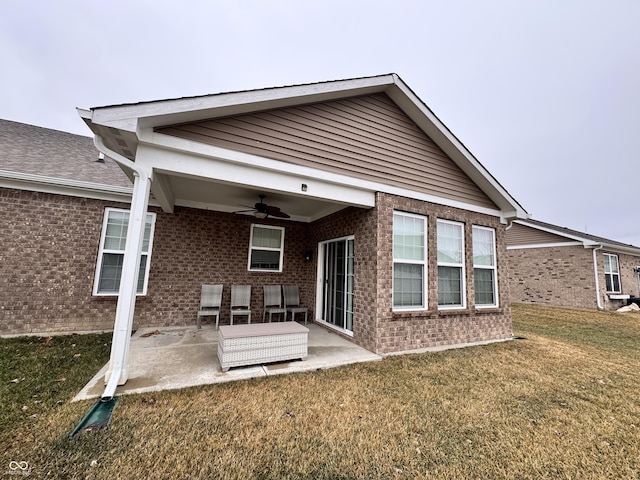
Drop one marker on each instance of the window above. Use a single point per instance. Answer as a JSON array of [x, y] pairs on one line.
[[111, 254], [451, 290], [484, 266], [612, 273], [409, 261], [265, 248]]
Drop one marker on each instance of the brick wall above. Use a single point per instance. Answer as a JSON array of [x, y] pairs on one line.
[[397, 331], [363, 225], [558, 276], [564, 277], [49, 245]]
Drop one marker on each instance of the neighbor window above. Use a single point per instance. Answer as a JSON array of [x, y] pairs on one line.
[[612, 273], [451, 288], [266, 246], [484, 266], [409, 261], [111, 254]]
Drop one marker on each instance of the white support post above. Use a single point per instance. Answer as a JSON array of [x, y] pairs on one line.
[[129, 280]]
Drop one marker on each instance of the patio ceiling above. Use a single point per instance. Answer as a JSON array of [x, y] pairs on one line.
[[190, 191]]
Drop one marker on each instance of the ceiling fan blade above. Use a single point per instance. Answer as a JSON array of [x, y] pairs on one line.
[[275, 212], [279, 215]]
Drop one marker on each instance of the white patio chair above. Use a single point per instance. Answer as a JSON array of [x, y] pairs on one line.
[[292, 302], [273, 302], [210, 302], [241, 301]]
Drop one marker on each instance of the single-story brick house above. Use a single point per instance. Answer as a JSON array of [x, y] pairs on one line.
[[551, 265], [396, 233]]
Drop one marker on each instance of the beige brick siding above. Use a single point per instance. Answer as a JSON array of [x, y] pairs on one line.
[[49, 250], [564, 277], [397, 331]]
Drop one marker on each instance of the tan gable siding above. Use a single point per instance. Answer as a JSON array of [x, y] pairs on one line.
[[523, 235], [368, 137]]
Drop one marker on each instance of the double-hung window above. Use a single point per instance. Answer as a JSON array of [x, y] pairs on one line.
[[451, 285], [484, 266], [409, 261], [612, 273], [111, 253], [266, 247]]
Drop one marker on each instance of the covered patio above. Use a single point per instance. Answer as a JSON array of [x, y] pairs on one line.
[[173, 358]]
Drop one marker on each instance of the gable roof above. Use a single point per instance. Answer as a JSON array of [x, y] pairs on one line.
[[42, 159], [586, 239], [123, 127]]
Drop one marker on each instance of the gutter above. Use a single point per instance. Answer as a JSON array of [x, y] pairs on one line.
[[595, 271], [118, 363]]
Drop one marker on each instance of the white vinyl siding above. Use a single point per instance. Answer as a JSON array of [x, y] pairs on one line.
[[484, 267], [111, 253], [451, 284], [409, 261], [612, 273], [266, 247]]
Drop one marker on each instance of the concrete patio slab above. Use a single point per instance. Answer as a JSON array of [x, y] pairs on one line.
[[173, 358]]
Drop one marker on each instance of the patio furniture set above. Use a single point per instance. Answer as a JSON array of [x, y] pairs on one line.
[[248, 344]]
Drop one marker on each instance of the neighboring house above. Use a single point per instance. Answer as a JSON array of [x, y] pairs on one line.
[[551, 265], [396, 235]]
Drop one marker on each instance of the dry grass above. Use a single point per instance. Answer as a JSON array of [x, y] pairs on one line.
[[561, 403]]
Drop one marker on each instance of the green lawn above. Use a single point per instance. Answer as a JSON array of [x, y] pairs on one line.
[[562, 402]]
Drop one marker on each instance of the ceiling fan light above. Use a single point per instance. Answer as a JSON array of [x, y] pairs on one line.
[[260, 214]]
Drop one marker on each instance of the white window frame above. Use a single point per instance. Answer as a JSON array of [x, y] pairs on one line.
[[279, 249], [463, 285], [493, 267], [612, 273], [423, 263], [102, 251]]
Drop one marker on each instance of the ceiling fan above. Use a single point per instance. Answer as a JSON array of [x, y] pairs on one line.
[[262, 210]]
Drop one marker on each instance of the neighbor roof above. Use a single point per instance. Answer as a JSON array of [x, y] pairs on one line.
[[586, 238], [52, 154]]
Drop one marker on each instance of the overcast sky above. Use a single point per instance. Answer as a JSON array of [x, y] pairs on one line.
[[545, 93]]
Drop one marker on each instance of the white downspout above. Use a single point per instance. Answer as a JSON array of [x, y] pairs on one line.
[[118, 371], [595, 271]]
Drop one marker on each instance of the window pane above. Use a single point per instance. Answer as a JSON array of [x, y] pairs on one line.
[[483, 247], [449, 243], [407, 285], [116, 234], [408, 238], [111, 273], [609, 281], [265, 260], [483, 282], [614, 264], [267, 237], [449, 286]]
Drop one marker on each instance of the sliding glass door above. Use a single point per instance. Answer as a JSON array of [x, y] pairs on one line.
[[336, 282]]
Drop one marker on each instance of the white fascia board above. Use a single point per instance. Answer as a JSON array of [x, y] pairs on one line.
[[64, 186], [442, 136], [189, 109], [302, 174], [630, 250], [544, 245]]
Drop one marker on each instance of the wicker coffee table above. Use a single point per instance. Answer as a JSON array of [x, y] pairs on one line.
[[258, 343]]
